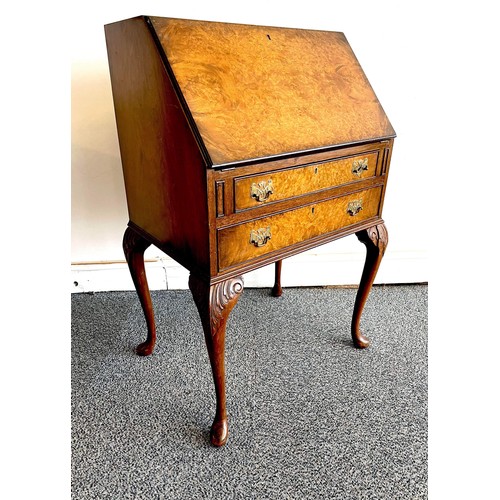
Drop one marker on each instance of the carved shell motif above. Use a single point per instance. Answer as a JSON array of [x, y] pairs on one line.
[[379, 236], [215, 302], [223, 295]]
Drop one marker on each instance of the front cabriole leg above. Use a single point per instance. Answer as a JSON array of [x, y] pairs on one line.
[[214, 303], [375, 239], [134, 246]]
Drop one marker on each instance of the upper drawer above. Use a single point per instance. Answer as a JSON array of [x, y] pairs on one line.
[[256, 190]]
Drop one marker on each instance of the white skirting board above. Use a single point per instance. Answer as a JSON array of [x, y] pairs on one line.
[[307, 269]]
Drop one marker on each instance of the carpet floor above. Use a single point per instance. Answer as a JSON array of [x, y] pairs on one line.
[[310, 416]]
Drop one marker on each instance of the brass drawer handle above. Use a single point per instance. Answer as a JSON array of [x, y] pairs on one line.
[[259, 237], [261, 190], [353, 207], [359, 166]]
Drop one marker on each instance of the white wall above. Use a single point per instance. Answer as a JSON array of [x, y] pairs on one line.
[[391, 50]]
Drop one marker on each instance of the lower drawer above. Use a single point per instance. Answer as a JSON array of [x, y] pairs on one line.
[[237, 244]]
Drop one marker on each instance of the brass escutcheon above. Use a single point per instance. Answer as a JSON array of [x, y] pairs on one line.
[[259, 237], [353, 207], [262, 190], [359, 166]]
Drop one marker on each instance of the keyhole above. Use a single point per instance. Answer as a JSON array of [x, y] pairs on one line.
[[315, 170], [312, 210]]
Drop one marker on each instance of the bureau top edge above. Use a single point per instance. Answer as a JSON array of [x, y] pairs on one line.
[[299, 154]]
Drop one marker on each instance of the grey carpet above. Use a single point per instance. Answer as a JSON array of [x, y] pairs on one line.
[[310, 416]]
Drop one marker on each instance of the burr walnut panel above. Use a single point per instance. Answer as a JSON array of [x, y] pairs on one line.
[[256, 190], [243, 242], [257, 91]]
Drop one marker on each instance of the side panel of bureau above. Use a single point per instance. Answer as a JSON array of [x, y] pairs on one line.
[[163, 169]]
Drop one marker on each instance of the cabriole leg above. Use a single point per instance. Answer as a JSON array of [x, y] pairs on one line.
[[277, 291], [134, 246], [214, 304], [375, 239]]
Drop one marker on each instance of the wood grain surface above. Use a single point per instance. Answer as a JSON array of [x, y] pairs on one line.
[[164, 173], [258, 91], [298, 181], [294, 226]]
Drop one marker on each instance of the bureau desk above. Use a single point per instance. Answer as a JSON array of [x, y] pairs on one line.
[[241, 146]]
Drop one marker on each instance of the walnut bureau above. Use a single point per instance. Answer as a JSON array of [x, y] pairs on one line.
[[241, 146]]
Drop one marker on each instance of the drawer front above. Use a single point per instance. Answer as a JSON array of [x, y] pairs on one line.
[[255, 190], [237, 244]]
